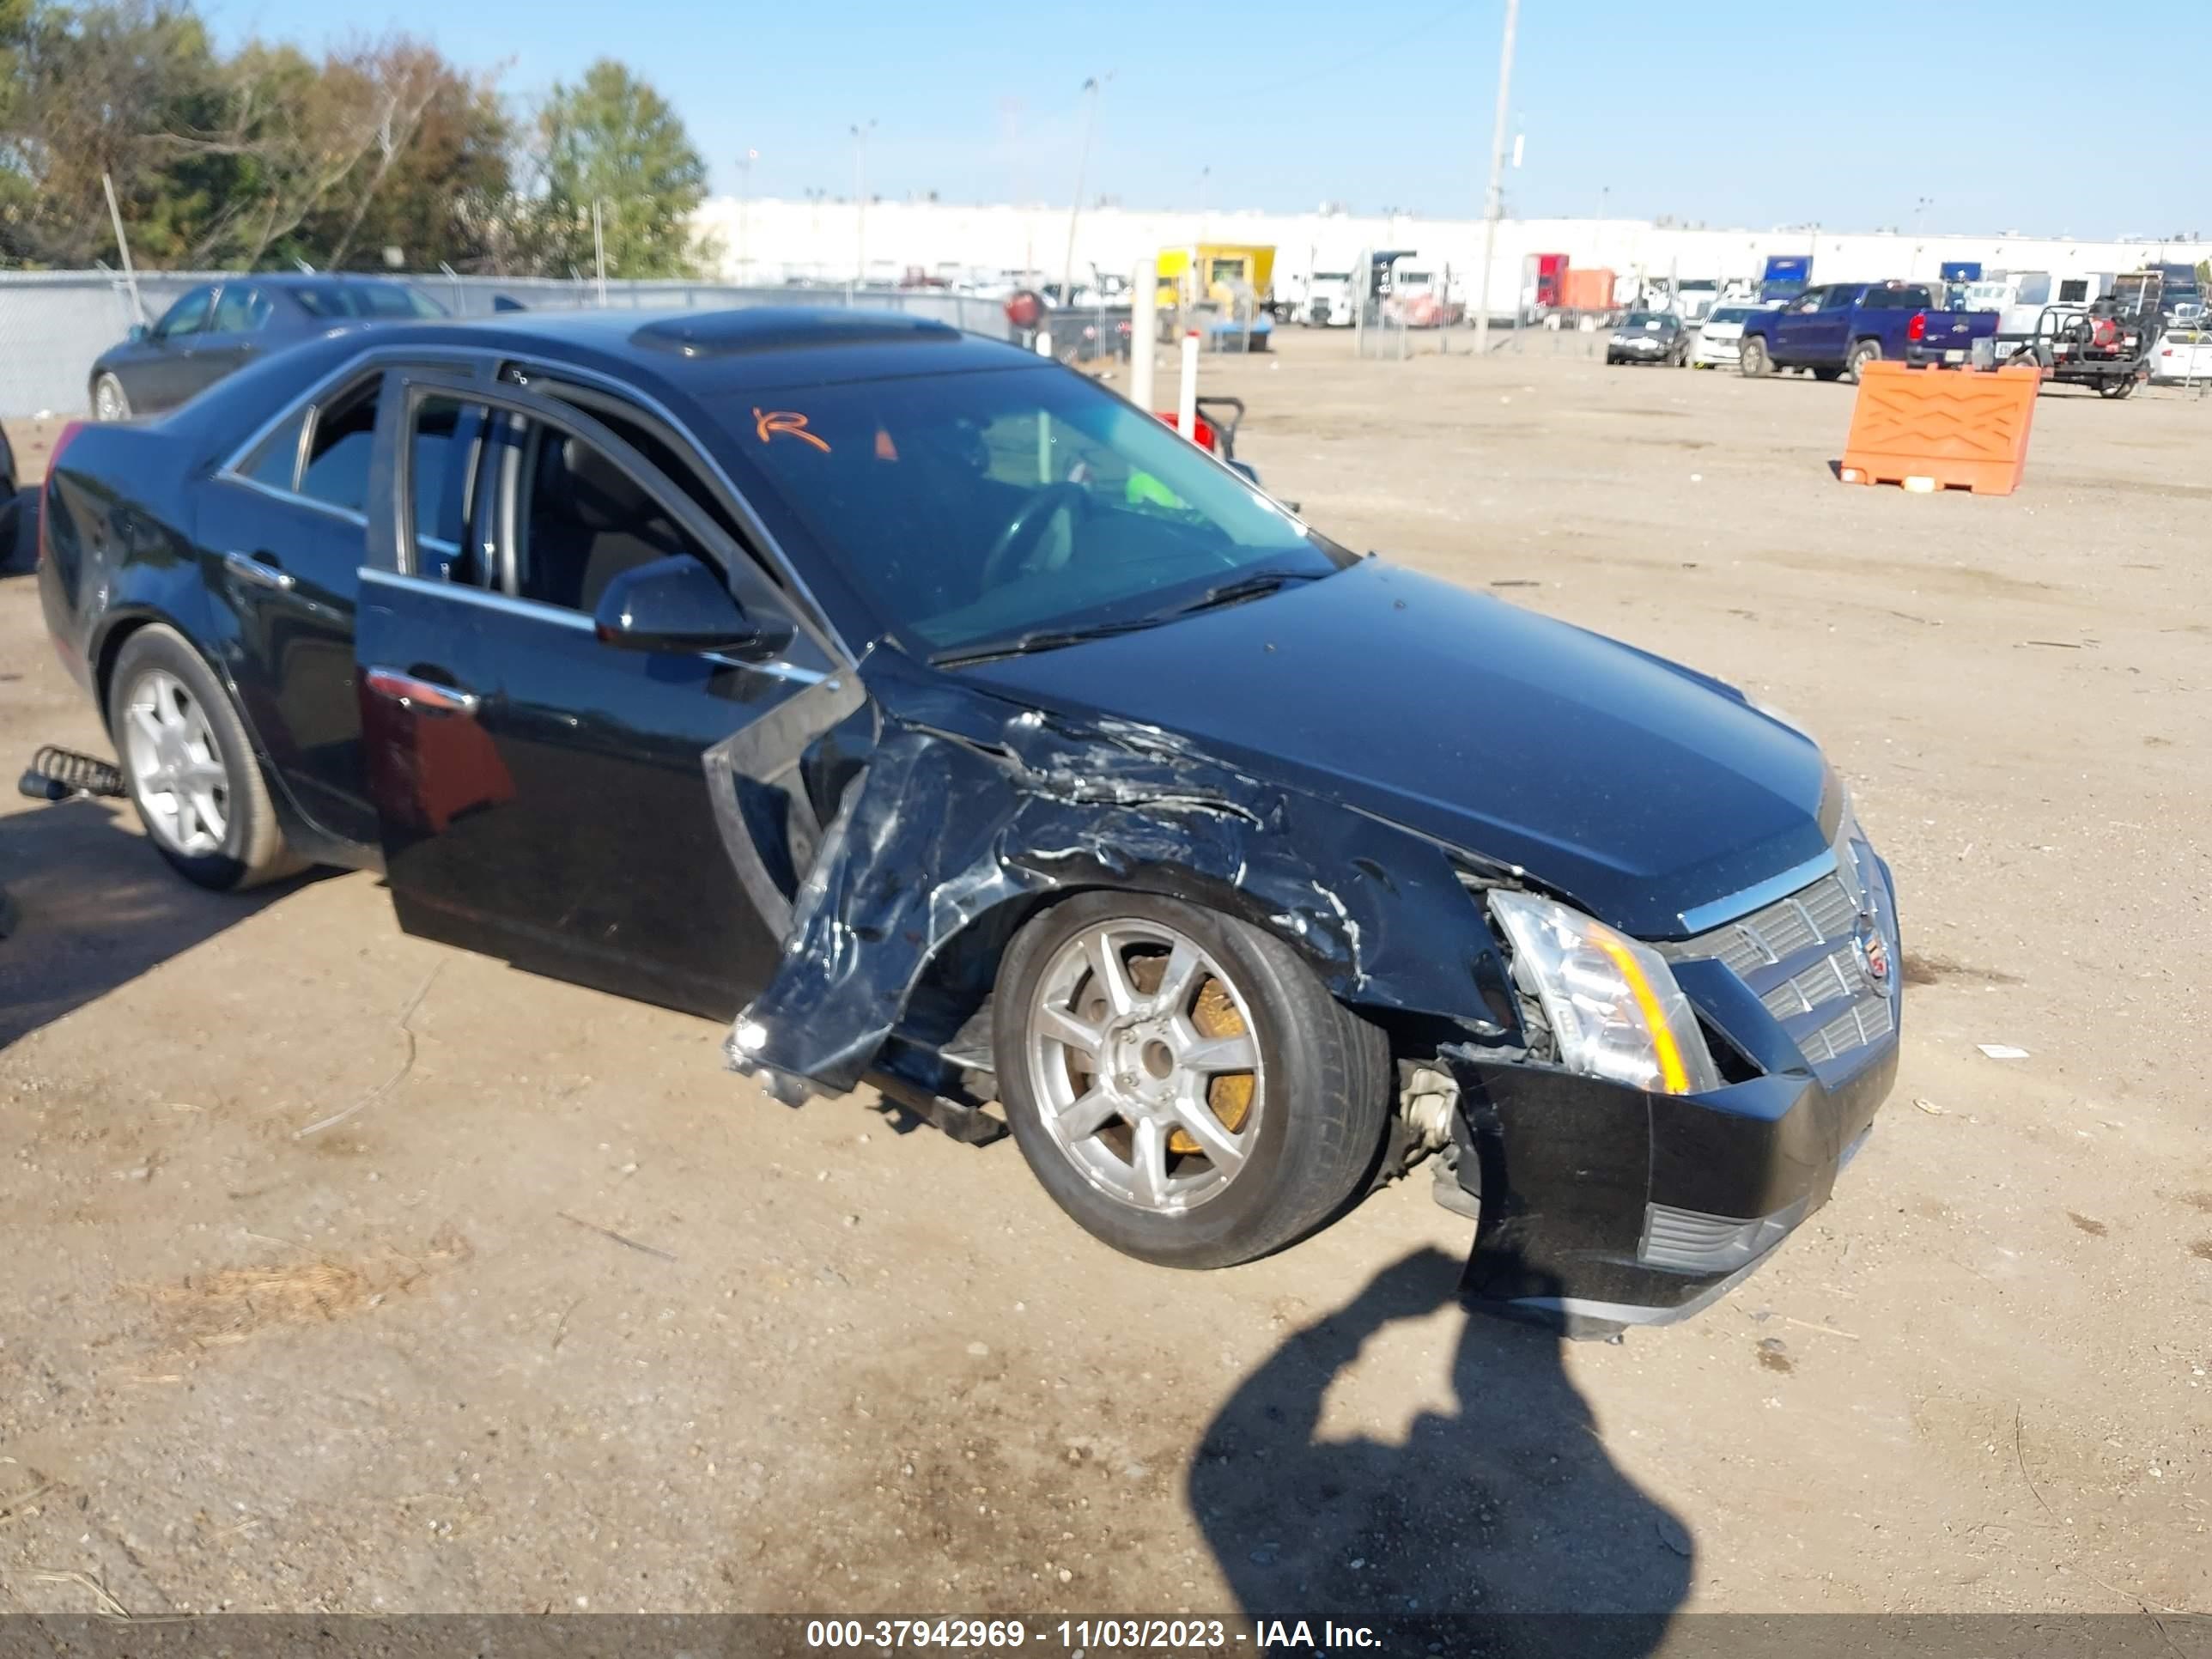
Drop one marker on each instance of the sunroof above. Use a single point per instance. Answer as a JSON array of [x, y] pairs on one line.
[[776, 328]]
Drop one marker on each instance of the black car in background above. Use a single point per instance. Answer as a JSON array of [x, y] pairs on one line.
[[218, 328], [1649, 336], [937, 717]]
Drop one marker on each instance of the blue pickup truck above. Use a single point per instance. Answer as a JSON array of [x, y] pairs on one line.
[[1835, 328]]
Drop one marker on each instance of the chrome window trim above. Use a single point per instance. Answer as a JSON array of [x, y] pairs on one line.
[[538, 610]]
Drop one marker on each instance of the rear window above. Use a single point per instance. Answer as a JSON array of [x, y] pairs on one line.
[[337, 301], [1906, 297]]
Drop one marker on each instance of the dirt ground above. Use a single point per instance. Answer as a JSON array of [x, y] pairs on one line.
[[345, 1272]]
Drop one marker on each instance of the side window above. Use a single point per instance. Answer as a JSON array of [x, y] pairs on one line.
[[2035, 288], [187, 316], [240, 310], [581, 520], [444, 451], [337, 472], [276, 462], [2074, 291]]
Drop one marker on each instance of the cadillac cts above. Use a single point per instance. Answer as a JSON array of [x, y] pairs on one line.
[[939, 720]]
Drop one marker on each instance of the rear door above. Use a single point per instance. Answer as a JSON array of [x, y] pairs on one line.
[[545, 795], [286, 525], [231, 339]]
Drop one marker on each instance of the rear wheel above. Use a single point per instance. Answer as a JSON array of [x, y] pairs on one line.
[[1181, 1082], [1865, 352], [189, 767], [109, 400], [1752, 360], [2116, 389]]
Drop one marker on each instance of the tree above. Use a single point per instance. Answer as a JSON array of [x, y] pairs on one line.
[[612, 139]]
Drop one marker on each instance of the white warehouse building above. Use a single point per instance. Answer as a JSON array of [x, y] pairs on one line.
[[771, 241]]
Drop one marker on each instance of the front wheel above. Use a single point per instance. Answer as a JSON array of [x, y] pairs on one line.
[[1181, 1082], [1752, 360], [189, 767], [109, 400], [1865, 352]]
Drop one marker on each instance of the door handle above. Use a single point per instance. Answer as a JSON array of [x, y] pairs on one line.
[[260, 571], [413, 692]]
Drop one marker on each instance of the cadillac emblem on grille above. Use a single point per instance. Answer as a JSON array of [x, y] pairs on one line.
[[1873, 954]]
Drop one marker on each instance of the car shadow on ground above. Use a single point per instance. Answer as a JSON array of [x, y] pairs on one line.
[[1509, 1505], [92, 906]]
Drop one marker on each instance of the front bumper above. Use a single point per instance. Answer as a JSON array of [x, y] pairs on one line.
[[1602, 1206], [1716, 351]]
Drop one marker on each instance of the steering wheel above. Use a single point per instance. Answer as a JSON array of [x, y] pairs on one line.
[[1027, 525]]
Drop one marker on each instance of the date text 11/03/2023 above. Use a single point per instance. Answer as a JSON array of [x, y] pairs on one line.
[[1086, 1635]]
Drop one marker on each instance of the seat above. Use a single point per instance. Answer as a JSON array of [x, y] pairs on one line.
[[589, 522]]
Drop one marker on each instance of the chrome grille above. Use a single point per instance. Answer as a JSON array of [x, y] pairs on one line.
[[1799, 955]]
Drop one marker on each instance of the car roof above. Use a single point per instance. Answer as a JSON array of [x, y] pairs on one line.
[[752, 348]]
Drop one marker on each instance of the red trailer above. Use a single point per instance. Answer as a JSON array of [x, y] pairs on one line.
[[1543, 281]]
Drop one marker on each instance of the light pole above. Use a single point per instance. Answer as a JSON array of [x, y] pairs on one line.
[[1093, 86], [1919, 212], [860, 130], [1495, 205], [744, 193]]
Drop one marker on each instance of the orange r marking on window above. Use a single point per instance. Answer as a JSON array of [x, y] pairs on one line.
[[886, 449], [789, 423]]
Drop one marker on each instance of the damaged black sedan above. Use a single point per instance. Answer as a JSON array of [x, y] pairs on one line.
[[945, 722]]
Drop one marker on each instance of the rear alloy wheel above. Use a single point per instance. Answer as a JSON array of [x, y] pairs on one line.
[[109, 401], [1752, 360], [189, 767], [1181, 1082], [1865, 352]]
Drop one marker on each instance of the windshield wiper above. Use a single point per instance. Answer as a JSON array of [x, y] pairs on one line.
[[1258, 584], [1043, 639]]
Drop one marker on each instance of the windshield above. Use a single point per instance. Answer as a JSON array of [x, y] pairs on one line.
[[968, 508], [1332, 276], [1647, 319], [1730, 314]]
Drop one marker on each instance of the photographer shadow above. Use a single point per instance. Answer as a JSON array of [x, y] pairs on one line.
[[1508, 1506]]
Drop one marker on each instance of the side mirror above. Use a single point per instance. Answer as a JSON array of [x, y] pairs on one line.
[[139, 333], [680, 604]]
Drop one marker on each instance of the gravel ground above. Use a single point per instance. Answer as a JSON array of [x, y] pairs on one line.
[[559, 1314]]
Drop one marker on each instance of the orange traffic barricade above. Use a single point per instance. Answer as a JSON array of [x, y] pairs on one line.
[[1941, 428]]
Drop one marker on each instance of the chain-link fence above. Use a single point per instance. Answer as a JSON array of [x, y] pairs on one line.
[[54, 323]]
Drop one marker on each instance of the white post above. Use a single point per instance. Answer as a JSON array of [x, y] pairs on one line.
[[1043, 341], [1144, 332], [599, 251], [1187, 394], [123, 246], [1495, 205]]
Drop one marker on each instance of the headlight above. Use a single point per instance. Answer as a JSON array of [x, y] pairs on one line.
[[1615, 1009]]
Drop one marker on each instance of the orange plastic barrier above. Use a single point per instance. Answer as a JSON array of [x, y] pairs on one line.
[[1941, 428]]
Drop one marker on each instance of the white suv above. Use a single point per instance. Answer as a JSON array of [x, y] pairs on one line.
[[1718, 334]]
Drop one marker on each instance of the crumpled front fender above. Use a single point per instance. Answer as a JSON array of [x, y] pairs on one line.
[[968, 801]]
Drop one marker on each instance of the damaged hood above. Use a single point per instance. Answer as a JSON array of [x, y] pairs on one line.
[[1637, 787]]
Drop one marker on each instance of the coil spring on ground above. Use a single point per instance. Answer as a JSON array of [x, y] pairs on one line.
[[56, 773]]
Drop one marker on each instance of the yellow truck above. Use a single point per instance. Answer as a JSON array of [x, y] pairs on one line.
[[1234, 281]]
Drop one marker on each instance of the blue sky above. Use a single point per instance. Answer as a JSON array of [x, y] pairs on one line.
[[1731, 114]]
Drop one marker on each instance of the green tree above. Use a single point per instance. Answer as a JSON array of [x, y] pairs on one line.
[[612, 139]]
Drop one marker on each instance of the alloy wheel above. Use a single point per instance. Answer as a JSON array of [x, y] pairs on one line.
[[177, 773], [1144, 1056]]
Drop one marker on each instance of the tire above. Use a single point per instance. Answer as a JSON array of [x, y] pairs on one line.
[[1306, 1129], [2116, 389], [1752, 360], [1865, 352], [167, 714], [110, 402]]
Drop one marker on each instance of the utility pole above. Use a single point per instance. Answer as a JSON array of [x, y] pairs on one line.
[[1093, 86], [745, 194], [860, 132], [1495, 206], [1919, 211], [123, 246]]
